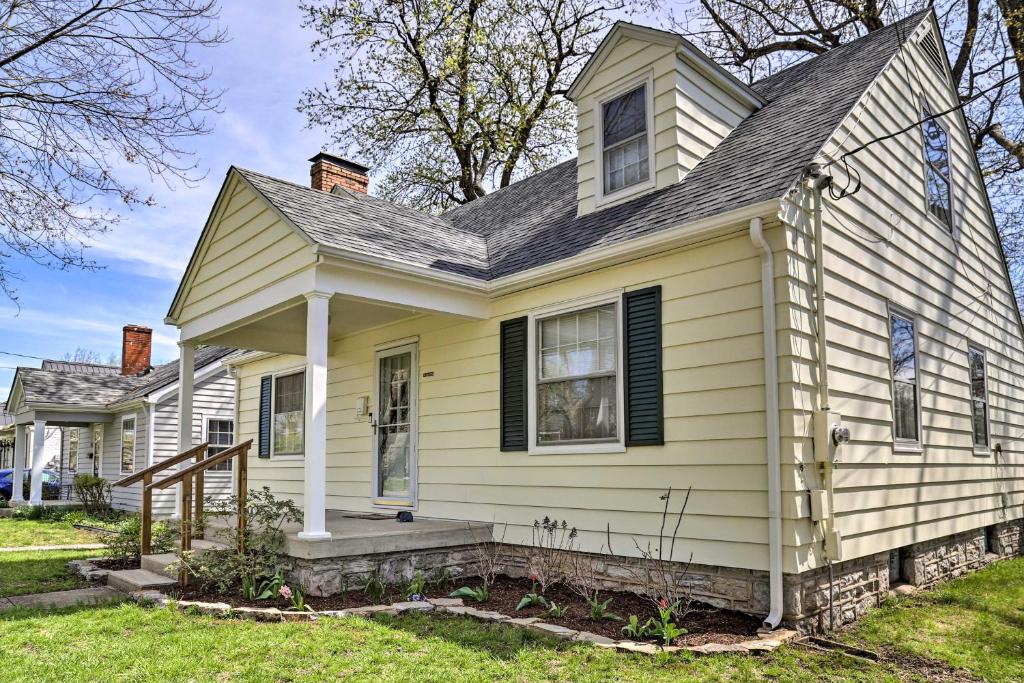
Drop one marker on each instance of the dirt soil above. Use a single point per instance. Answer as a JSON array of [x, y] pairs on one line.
[[705, 624]]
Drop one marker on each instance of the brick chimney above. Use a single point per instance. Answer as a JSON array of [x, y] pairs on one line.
[[136, 349], [328, 170]]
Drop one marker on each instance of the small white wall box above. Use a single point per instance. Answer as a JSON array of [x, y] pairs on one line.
[[834, 545], [829, 434], [820, 509], [362, 406]]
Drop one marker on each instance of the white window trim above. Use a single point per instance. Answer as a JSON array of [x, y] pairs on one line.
[[617, 446], [949, 230], [206, 418], [980, 450], [383, 351], [135, 444], [601, 198], [285, 457], [905, 445]]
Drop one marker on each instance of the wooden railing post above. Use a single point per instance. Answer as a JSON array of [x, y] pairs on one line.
[[243, 490], [147, 514], [197, 527], [186, 522]]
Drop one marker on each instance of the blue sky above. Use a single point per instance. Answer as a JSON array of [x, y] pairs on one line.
[[264, 68]]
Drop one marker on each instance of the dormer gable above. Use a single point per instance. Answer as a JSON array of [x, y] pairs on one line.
[[650, 106]]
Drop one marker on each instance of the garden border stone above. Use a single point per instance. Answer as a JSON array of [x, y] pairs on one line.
[[765, 642]]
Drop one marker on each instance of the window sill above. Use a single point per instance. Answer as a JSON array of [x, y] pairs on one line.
[[578, 449], [982, 452], [291, 457], [908, 448]]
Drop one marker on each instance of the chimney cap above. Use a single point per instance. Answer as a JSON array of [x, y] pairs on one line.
[[344, 163]]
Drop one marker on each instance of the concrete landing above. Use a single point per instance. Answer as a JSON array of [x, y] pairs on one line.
[[131, 580], [79, 596], [158, 563]]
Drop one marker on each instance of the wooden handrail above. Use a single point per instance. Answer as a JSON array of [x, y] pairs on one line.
[[161, 466], [202, 465]]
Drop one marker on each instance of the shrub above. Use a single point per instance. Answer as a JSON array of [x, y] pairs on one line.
[[33, 512], [3, 503], [126, 544], [93, 492], [223, 570], [548, 556]]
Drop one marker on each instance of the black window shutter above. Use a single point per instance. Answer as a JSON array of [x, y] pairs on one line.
[[641, 323], [265, 386], [513, 384]]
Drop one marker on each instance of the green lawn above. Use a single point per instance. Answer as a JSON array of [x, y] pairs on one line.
[[975, 623], [24, 532], [129, 643], [39, 571]]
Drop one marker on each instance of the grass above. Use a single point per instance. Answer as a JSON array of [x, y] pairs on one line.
[[28, 532], [130, 643], [975, 623], [39, 571]]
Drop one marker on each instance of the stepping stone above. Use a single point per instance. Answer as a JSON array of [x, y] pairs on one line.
[[523, 621], [80, 596], [717, 648], [588, 637], [446, 602], [413, 606], [553, 630], [131, 580]]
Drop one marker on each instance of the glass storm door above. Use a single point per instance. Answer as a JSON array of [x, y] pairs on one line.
[[395, 427]]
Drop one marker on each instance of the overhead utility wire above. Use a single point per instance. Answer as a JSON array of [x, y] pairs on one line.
[[21, 355], [926, 119]]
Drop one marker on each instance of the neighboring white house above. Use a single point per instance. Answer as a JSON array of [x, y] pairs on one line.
[[709, 296], [116, 420]]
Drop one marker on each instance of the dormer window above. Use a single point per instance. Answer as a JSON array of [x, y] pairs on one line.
[[624, 130], [937, 176]]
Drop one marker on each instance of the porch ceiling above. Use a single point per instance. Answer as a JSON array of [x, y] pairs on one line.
[[284, 331]]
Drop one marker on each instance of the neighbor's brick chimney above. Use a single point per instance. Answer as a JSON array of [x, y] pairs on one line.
[[328, 170], [136, 349]]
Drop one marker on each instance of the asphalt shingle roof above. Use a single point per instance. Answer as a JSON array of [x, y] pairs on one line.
[[89, 389], [533, 222]]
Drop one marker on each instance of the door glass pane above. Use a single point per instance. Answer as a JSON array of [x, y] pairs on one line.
[[394, 427]]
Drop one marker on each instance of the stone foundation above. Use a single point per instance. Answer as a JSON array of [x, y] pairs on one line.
[[815, 601]]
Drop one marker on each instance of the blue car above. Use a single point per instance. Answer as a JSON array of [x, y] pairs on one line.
[[51, 484]]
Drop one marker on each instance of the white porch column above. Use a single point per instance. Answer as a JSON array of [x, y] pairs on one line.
[[186, 382], [17, 483], [315, 491], [35, 496]]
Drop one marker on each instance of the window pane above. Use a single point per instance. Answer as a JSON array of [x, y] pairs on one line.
[[73, 450], [936, 147], [220, 435], [289, 419], [938, 196], [980, 420], [977, 359], [904, 363], [575, 410], [128, 445], [937, 174], [905, 411], [586, 343], [625, 116]]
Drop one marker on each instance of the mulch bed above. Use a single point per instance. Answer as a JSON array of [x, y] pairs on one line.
[[117, 564], [705, 624]]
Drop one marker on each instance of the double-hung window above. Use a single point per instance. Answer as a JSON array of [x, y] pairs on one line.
[[289, 413], [937, 174], [625, 157], [73, 450], [127, 445], [906, 427], [979, 397], [577, 376], [220, 434]]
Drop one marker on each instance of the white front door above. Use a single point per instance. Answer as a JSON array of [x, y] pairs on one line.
[[394, 456]]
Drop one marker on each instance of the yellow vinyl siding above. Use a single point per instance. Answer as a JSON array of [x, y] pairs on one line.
[[714, 417], [882, 246], [249, 248]]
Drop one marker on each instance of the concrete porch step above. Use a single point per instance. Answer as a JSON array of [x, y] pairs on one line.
[[158, 563], [130, 580]]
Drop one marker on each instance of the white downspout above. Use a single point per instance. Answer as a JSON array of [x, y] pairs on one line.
[[771, 412]]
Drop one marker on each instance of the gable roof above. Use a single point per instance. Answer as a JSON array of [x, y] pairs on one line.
[[71, 388], [533, 222], [80, 368]]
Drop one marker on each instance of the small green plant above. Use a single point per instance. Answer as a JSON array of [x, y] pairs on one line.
[[126, 544], [30, 512], [416, 587], [634, 629], [555, 610], [266, 589], [375, 588], [533, 598], [599, 610], [444, 579], [3, 503], [476, 594], [665, 629]]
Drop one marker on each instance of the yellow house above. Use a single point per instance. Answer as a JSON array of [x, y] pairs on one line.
[[745, 291]]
